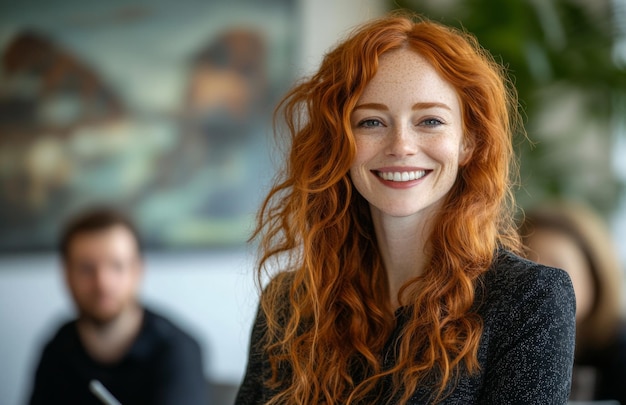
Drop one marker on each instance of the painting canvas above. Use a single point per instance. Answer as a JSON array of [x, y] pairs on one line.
[[160, 108]]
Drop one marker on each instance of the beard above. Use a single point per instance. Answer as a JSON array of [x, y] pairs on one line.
[[101, 314]]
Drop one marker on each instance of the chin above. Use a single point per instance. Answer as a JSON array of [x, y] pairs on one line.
[[101, 316]]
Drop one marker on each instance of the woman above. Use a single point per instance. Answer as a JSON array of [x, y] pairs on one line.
[[573, 237], [391, 229]]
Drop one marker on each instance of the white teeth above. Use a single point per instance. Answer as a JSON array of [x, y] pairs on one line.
[[402, 176]]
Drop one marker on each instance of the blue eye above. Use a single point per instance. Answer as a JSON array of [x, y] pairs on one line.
[[370, 123], [431, 122]]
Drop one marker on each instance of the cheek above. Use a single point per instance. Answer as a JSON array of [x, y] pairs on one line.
[[357, 178], [80, 285], [363, 151], [131, 281], [361, 157], [449, 155]]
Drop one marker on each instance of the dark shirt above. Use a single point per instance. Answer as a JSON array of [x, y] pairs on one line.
[[526, 351], [163, 366]]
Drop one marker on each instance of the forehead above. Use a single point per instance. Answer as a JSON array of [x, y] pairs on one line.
[[405, 70], [116, 238]]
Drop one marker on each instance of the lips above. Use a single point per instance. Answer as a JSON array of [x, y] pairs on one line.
[[401, 176]]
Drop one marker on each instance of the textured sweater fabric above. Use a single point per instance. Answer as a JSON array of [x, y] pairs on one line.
[[163, 366], [526, 351]]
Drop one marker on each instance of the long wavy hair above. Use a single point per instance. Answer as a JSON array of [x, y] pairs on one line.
[[328, 310]]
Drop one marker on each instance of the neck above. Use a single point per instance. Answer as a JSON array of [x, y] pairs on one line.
[[108, 342], [402, 243]]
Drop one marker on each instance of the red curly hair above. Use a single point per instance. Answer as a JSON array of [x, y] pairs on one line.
[[328, 312]]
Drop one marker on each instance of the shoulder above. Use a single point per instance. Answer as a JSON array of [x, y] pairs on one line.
[[280, 284], [63, 339], [527, 344], [512, 275], [274, 307], [65, 331], [274, 295], [518, 289], [163, 332], [63, 345]]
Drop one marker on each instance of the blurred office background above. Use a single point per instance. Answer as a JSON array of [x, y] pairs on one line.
[[162, 108], [156, 86]]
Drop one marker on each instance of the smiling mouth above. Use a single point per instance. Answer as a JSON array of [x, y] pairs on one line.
[[402, 176]]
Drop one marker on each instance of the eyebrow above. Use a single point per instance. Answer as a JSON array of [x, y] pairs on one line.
[[416, 106]]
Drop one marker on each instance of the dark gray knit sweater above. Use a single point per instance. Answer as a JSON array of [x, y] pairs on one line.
[[526, 351]]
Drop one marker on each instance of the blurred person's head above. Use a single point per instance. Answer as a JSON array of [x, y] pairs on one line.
[[573, 237], [101, 255]]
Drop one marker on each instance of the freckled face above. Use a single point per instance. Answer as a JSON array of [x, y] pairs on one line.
[[409, 140]]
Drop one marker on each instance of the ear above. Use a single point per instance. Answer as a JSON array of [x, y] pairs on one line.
[[466, 149]]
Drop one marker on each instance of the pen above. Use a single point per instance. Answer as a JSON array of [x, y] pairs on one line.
[[102, 393]]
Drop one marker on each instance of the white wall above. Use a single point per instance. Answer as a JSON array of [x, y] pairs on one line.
[[211, 294]]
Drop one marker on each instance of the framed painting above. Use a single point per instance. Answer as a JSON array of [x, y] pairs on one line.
[[160, 108]]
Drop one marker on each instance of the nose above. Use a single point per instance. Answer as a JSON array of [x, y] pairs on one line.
[[103, 278], [402, 142]]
